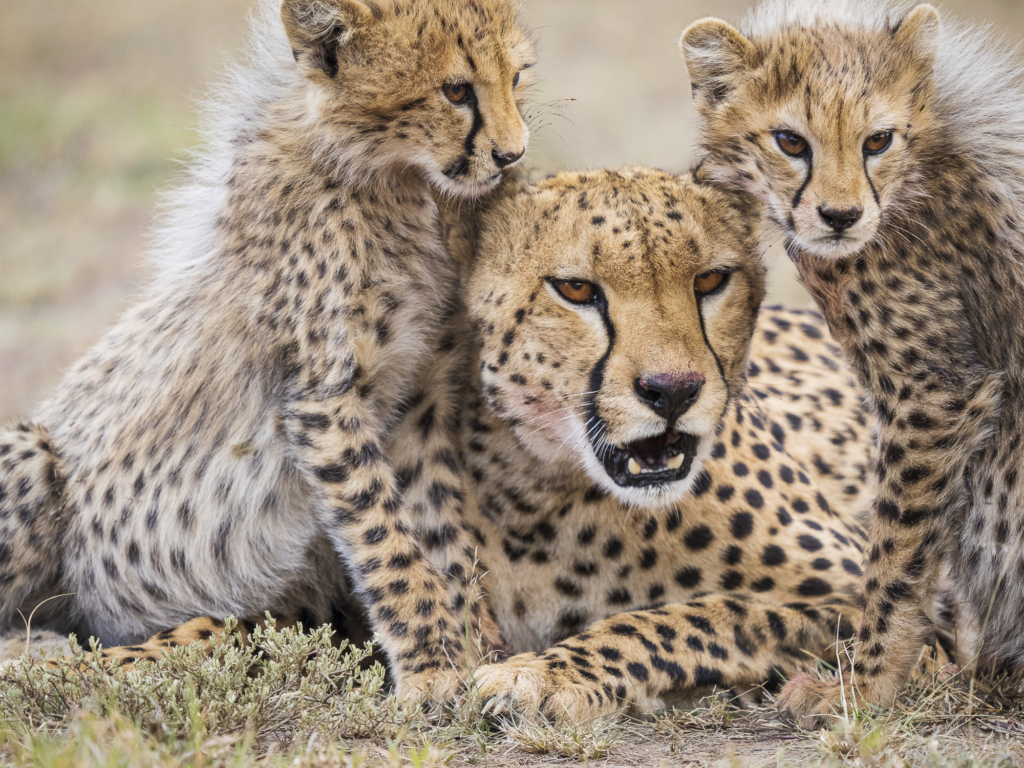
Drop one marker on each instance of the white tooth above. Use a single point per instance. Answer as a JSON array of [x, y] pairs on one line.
[[621, 446], [634, 467], [677, 462]]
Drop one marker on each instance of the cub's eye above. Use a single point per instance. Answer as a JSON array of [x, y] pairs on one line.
[[516, 79], [710, 282], [792, 144], [576, 291], [877, 144], [457, 93]]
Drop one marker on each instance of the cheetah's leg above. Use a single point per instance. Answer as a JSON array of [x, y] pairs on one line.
[[430, 473], [340, 443], [212, 632], [924, 450], [639, 659], [201, 630], [31, 527]]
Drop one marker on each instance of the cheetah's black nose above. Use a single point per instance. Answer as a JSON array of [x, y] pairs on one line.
[[503, 160], [840, 220], [667, 395]]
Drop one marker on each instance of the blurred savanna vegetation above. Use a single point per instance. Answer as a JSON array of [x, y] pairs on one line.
[[97, 106]]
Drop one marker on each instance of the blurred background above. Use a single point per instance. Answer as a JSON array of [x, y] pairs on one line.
[[97, 107]]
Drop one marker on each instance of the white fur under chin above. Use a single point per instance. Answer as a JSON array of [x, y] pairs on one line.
[[462, 190], [825, 248]]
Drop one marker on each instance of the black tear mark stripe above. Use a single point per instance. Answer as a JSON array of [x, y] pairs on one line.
[[807, 181], [714, 354], [478, 124], [871, 183], [597, 373], [461, 166]]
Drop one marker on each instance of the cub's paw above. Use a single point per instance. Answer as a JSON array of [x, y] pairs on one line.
[[528, 686], [811, 702], [435, 689]]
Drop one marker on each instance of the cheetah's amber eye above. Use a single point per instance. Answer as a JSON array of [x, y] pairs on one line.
[[710, 282], [877, 144], [457, 93], [791, 143], [576, 291]]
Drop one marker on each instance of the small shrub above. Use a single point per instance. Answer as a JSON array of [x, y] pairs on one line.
[[285, 687]]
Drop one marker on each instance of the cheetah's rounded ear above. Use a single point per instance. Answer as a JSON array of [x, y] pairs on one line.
[[918, 35], [715, 54], [317, 28]]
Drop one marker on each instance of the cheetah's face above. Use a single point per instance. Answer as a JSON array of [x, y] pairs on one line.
[[440, 86], [615, 311], [818, 124]]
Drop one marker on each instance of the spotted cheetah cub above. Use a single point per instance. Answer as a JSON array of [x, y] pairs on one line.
[[889, 149], [230, 445]]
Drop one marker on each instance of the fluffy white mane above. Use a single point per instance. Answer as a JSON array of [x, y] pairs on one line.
[[979, 76], [772, 16], [184, 237]]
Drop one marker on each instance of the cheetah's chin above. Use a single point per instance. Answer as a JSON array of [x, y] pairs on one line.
[[833, 247], [654, 461], [465, 190]]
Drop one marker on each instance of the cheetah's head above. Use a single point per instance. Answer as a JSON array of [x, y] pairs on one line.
[[816, 112], [439, 86], [615, 311]]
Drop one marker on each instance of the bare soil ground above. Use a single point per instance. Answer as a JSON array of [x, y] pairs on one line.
[[97, 107]]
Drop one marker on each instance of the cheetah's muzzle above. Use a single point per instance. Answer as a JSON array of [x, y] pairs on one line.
[[666, 458]]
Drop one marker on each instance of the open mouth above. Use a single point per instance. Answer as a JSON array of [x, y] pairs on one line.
[[658, 460]]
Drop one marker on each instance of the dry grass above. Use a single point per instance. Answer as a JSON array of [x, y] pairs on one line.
[[295, 699]]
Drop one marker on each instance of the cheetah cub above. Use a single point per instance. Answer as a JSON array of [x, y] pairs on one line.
[[229, 446], [889, 149]]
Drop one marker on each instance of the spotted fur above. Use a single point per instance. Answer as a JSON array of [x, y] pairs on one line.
[[737, 578], [234, 444], [922, 289]]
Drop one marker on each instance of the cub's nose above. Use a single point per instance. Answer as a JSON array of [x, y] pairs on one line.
[[505, 159], [840, 219], [668, 395]]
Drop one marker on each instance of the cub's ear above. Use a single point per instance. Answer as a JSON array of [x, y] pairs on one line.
[[462, 223], [316, 30], [715, 54], [918, 36]]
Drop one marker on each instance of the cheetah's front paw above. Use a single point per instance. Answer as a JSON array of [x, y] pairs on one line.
[[810, 701], [435, 688], [527, 685]]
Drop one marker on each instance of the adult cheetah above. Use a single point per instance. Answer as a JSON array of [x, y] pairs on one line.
[[889, 149], [661, 510], [232, 445]]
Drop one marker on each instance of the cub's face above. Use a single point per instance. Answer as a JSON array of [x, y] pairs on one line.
[[615, 311], [438, 86], [818, 121]]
